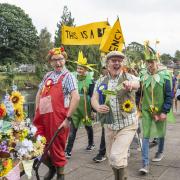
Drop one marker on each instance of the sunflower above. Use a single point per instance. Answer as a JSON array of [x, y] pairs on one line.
[[127, 106], [16, 98], [19, 113], [2, 110]]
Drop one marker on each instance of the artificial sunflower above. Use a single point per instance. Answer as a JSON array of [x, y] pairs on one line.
[[127, 106], [2, 110], [16, 98], [19, 113]]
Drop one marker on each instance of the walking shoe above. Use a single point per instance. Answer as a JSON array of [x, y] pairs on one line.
[[68, 155], [158, 157], [99, 158], [144, 170], [90, 147]]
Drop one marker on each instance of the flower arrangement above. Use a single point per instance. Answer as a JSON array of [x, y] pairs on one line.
[[17, 134]]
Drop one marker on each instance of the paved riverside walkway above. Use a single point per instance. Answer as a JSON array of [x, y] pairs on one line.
[[82, 167]]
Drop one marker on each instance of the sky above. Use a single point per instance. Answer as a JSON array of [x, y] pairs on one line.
[[140, 19]]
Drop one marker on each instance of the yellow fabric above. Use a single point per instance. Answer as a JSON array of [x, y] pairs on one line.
[[113, 39], [89, 34]]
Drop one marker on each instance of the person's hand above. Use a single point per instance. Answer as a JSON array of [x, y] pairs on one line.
[[103, 109], [65, 124], [156, 117], [162, 117], [127, 85]]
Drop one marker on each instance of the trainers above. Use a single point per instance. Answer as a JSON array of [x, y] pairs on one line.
[[68, 155], [90, 147], [158, 157], [99, 158], [144, 170]]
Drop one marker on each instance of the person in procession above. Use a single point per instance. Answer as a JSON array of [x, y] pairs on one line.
[[83, 112], [156, 105], [56, 100], [118, 112], [102, 148]]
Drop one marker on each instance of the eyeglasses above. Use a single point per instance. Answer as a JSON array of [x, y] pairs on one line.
[[59, 59]]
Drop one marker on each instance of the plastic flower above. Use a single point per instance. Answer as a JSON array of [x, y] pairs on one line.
[[24, 134], [153, 109], [127, 106], [19, 113], [17, 98], [41, 138], [2, 110], [9, 106], [7, 166], [38, 149]]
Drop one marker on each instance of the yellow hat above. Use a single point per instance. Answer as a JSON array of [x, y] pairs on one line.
[[82, 61]]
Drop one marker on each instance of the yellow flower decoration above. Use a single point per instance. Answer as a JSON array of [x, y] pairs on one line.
[[7, 166], [17, 98], [153, 109], [23, 134], [127, 106], [2, 110], [19, 113], [81, 60]]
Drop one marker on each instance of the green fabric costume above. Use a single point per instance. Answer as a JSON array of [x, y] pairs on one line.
[[153, 96], [83, 112]]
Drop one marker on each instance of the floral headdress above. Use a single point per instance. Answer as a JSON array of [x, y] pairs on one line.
[[149, 53], [56, 51]]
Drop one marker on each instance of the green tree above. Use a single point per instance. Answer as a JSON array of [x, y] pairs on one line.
[[166, 58], [177, 56], [45, 44], [18, 38]]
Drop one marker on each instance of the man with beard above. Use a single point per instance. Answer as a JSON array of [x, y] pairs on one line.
[[54, 108], [118, 113]]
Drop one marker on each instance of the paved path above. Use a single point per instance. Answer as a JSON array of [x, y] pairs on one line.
[[81, 166]]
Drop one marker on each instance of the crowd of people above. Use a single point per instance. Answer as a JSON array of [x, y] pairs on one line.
[[67, 100]]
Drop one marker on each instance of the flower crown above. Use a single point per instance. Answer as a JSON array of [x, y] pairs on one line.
[[56, 51]]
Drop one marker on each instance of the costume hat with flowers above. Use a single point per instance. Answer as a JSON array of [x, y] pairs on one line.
[[82, 61], [149, 53], [56, 51]]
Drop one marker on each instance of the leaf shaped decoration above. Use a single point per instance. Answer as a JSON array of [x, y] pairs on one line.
[[156, 78]]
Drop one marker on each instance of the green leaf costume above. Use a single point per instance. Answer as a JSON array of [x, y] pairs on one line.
[[153, 95], [83, 112]]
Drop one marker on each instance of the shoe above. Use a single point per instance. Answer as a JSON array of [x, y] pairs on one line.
[[68, 155], [158, 157], [144, 170], [90, 147], [99, 158]]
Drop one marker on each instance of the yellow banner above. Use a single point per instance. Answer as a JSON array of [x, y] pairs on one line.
[[113, 39], [89, 34]]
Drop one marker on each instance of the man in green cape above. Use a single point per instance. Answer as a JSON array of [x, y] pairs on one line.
[[83, 112]]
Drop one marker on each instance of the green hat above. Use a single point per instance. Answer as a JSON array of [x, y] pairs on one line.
[[149, 53]]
